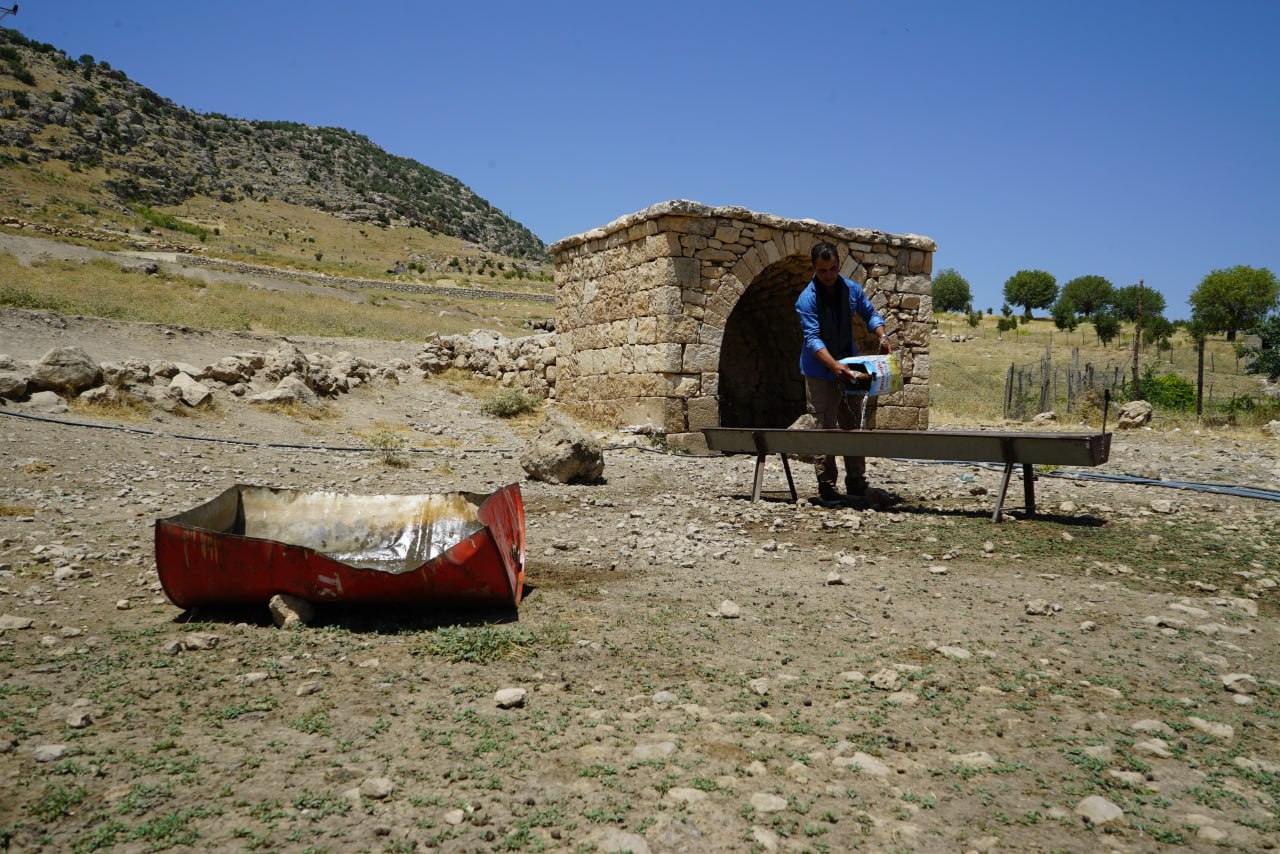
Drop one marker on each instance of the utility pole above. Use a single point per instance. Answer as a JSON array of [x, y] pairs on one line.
[[1137, 339], [7, 11]]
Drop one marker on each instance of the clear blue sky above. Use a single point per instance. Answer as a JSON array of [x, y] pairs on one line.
[[1131, 140]]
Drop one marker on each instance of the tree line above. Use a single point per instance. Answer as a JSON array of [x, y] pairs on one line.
[[1229, 301]]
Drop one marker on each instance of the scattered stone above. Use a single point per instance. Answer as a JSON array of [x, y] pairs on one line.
[[759, 686], [306, 689], [1097, 811], [123, 604], [377, 788], [685, 795], [1240, 683], [50, 752], [767, 802], [290, 612], [666, 697], [864, 763], [1154, 747], [510, 698], [1217, 730], [885, 679], [660, 750], [1150, 725], [46, 403], [1041, 608], [1088, 626], [728, 610], [834, 578], [10, 622], [615, 840], [455, 817], [79, 720], [1162, 505], [954, 652], [199, 641]]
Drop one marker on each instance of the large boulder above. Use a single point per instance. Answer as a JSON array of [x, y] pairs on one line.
[[1134, 414], [290, 390], [285, 360], [192, 392], [12, 386], [66, 370], [562, 452]]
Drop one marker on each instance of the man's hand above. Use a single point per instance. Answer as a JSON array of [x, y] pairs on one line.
[[886, 346]]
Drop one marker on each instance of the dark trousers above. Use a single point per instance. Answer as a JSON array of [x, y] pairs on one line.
[[833, 409]]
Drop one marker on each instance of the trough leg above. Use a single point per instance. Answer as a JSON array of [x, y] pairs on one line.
[[1004, 488], [791, 484], [755, 489], [1029, 487]]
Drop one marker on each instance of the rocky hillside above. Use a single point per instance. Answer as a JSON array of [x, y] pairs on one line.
[[154, 152]]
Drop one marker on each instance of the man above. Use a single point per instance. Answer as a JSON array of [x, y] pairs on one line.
[[826, 307]]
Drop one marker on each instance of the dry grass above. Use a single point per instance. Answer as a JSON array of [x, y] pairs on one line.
[[125, 406], [104, 289], [299, 411], [967, 379]]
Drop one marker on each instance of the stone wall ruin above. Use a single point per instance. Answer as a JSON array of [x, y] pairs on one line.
[[682, 316]]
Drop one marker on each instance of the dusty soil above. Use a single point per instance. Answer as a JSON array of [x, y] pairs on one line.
[[703, 673]]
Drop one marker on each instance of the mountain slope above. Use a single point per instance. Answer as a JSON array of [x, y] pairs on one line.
[[151, 151]]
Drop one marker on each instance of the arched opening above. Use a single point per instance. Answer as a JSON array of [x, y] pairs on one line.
[[760, 382]]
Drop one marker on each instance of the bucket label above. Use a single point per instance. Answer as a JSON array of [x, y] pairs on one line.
[[885, 370]]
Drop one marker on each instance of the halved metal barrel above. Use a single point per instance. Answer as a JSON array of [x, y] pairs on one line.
[[252, 542]]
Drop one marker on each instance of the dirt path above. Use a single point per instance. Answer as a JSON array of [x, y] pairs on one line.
[[702, 673]]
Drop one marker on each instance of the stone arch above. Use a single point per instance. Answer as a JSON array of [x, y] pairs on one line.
[[681, 316]]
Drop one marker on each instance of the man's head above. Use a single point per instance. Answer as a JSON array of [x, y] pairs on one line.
[[826, 264]]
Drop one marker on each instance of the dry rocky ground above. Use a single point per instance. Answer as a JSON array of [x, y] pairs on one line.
[[702, 673]]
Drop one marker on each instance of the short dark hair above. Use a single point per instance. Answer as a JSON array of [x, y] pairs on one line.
[[823, 251]]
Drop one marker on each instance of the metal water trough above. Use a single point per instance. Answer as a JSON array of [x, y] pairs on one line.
[[980, 446], [251, 542]]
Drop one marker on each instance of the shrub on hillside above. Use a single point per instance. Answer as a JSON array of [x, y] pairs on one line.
[[1169, 391], [508, 403]]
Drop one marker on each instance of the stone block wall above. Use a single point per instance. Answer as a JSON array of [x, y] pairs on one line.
[[681, 316]]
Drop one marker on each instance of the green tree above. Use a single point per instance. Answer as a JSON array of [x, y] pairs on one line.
[[1031, 289], [1107, 325], [950, 291], [1234, 299], [1265, 358], [1156, 329], [1064, 314], [1125, 302], [1089, 294]]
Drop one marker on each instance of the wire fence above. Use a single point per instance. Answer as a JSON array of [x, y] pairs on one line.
[[1037, 387]]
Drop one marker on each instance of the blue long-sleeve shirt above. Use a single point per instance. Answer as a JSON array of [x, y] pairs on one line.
[[807, 308]]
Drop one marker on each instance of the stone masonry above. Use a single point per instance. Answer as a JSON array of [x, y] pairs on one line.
[[681, 316]]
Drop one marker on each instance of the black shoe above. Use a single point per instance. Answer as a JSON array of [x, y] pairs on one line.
[[856, 488], [827, 494]]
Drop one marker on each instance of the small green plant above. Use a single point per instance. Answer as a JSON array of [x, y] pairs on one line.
[[388, 447], [56, 801], [477, 644], [508, 403]]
